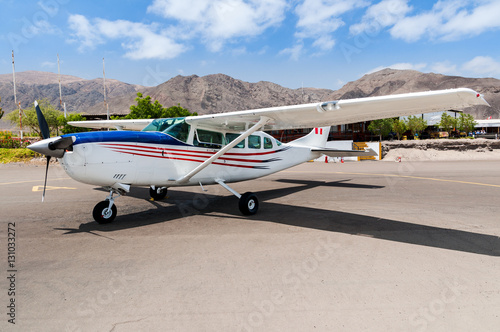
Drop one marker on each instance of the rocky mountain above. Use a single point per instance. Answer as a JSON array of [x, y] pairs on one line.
[[391, 81], [221, 93], [78, 94]]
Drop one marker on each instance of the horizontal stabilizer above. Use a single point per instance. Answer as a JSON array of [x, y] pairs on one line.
[[345, 153]]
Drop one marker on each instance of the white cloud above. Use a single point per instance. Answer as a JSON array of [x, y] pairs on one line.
[[401, 66], [140, 41], [294, 52], [482, 66], [221, 20], [86, 33], [449, 20], [48, 64], [473, 22], [239, 51], [445, 68], [318, 19], [383, 14], [324, 43]]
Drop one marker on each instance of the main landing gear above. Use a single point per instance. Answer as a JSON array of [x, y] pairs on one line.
[[248, 204], [157, 193]]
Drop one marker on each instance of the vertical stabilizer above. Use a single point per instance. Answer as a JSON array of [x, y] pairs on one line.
[[316, 138]]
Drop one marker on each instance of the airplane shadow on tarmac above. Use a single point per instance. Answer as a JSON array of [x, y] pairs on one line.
[[188, 204]]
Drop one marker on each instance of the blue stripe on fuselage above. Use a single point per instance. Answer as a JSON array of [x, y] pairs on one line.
[[125, 136]]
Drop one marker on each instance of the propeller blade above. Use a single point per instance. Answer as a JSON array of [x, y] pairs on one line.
[[45, 183], [42, 123]]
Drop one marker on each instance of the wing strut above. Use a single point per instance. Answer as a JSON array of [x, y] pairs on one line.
[[263, 120]]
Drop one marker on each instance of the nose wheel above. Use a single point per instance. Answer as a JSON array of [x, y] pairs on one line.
[[104, 212]]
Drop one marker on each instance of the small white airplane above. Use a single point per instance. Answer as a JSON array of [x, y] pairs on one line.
[[219, 148]]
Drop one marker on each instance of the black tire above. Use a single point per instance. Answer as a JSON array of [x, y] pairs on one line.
[[249, 204], [157, 194], [102, 214]]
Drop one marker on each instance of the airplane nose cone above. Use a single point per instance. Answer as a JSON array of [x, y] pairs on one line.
[[43, 147]]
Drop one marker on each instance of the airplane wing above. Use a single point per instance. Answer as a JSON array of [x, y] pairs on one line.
[[129, 124], [343, 111]]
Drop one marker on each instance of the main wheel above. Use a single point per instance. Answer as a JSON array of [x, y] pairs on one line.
[[158, 193], [103, 214], [249, 204]]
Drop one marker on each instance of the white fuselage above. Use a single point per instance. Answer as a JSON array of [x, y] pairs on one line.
[[145, 164]]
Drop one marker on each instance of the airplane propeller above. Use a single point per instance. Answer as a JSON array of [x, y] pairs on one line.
[[42, 123], [50, 147]]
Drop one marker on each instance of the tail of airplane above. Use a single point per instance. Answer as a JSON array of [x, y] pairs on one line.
[[316, 138], [316, 141]]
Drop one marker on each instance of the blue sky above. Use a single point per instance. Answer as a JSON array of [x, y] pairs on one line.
[[310, 43]]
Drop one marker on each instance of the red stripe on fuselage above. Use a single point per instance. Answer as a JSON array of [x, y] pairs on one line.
[[161, 151], [183, 159], [189, 151]]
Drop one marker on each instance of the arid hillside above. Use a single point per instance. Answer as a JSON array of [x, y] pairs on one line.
[[221, 93]]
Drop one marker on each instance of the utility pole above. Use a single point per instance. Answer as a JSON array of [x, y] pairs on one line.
[[60, 90], [15, 96], [104, 84]]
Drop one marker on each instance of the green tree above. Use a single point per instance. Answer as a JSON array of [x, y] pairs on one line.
[[66, 128], [381, 127], [399, 127], [1, 112], [30, 119], [416, 124], [466, 123], [146, 109], [177, 111], [447, 123]]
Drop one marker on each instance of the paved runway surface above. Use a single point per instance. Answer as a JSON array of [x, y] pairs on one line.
[[370, 246]]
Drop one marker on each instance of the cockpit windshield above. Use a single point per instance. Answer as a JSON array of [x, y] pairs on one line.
[[160, 124], [175, 127]]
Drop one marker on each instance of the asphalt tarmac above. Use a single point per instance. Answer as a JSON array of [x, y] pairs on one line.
[[368, 246]]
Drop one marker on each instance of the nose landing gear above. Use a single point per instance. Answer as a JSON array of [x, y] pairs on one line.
[[105, 212]]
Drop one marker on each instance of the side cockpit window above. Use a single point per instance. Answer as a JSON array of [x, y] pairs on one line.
[[268, 143], [209, 139], [231, 137], [254, 142]]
